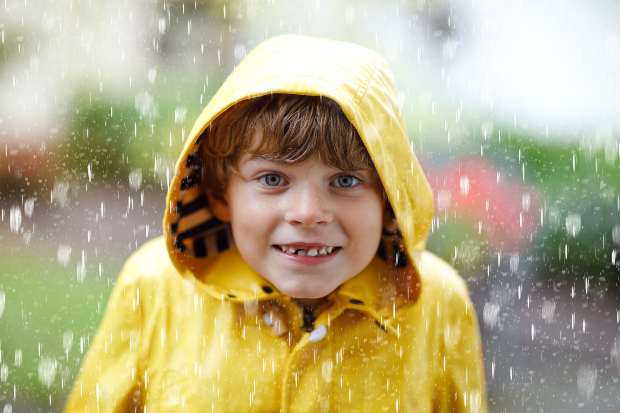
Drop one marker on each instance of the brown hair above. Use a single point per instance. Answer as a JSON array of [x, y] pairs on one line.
[[292, 129]]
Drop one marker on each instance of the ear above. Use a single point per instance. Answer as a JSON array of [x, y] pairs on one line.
[[219, 206]]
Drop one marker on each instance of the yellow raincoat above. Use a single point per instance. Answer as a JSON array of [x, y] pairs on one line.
[[191, 326]]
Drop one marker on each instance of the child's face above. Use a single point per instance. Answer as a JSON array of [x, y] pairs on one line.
[[309, 206]]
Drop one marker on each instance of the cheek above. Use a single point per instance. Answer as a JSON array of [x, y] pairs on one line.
[[365, 222], [251, 218]]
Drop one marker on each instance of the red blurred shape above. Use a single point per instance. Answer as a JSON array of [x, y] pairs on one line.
[[462, 188]]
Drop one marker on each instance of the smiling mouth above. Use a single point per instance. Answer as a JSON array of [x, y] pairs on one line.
[[307, 252]]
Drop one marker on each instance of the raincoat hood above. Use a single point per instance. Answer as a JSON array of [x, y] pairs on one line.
[[359, 80]]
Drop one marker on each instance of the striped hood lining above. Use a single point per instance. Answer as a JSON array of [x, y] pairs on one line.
[[198, 233]]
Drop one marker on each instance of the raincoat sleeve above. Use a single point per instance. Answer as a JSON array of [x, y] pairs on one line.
[[465, 371], [110, 376]]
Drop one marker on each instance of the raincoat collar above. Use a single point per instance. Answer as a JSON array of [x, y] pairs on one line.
[[377, 291]]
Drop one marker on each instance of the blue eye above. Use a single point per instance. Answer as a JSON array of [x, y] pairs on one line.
[[346, 181], [272, 179]]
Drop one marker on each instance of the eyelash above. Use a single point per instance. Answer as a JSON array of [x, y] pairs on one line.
[[359, 181]]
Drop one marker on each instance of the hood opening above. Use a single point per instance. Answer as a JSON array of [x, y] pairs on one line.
[[359, 80]]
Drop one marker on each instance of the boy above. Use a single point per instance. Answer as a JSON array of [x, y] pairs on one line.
[[292, 275]]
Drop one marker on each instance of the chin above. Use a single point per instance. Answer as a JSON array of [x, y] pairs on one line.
[[302, 290]]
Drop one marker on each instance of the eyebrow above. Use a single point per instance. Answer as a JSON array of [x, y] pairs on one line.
[[265, 158]]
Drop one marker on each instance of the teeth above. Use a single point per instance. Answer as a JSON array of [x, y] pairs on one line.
[[307, 253]]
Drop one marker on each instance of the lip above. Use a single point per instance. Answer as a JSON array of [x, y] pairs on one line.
[[307, 245], [310, 261]]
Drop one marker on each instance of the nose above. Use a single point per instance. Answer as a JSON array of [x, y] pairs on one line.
[[308, 206]]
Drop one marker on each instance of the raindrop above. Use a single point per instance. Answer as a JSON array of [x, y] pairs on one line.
[[464, 185], [61, 193], [487, 129], [615, 235], [4, 372], [444, 199], [18, 357], [514, 262], [64, 254], [326, 370], [490, 315], [525, 202], [449, 50], [29, 207], [145, 105], [81, 269], [135, 179], [152, 74], [47, 371], [350, 15], [67, 341], [2, 302], [7, 408], [179, 114], [586, 380], [573, 224], [239, 51], [15, 218], [548, 311], [162, 25], [615, 353]]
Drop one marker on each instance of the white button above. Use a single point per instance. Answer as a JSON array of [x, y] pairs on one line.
[[318, 333], [267, 319]]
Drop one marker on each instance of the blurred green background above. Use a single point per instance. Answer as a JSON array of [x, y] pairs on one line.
[[511, 108]]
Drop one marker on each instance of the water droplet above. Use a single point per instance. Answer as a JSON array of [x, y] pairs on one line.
[[487, 129], [573, 224], [61, 193], [179, 114], [64, 254], [615, 235], [15, 219], [444, 199], [47, 371], [525, 202], [464, 184], [514, 262], [586, 380], [18, 357], [29, 207], [239, 51], [490, 315], [67, 340], [548, 311], [135, 179]]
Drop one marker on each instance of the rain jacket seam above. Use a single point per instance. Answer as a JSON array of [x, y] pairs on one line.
[[366, 82]]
